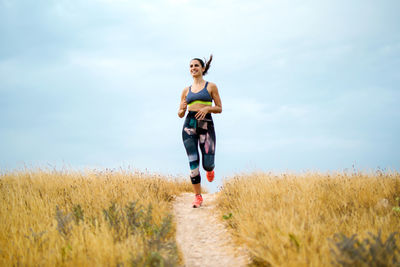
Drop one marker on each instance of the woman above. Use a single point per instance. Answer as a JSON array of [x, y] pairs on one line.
[[198, 129]]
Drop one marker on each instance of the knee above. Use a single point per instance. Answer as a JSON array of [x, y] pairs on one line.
[[195, 175]]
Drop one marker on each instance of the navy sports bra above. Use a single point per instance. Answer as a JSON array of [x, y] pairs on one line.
[[202, 97]]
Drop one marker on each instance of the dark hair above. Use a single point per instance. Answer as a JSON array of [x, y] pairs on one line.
[[207, 64]]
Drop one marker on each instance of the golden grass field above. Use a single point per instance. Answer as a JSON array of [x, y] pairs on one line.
[[109, 218], [296, 220], [121, 218]]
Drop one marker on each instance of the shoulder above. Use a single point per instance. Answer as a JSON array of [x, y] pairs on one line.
[[185, 90], [212, 86]]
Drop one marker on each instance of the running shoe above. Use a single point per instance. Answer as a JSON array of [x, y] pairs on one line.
[[210, 176], [197, 201]]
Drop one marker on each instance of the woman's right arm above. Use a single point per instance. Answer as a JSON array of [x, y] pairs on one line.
[[183, 104]]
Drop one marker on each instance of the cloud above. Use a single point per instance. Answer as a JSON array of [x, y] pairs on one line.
[[100, 80]]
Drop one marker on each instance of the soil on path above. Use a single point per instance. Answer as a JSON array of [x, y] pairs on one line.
[[202, 237]]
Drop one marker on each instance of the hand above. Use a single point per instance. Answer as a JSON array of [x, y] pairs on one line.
[[181, 112], [201, 114]]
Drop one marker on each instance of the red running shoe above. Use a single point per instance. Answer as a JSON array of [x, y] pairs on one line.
[[197, 201], [210, 176]]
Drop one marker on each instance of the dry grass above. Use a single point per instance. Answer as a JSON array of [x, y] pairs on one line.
[[291, 220], [53, 218]]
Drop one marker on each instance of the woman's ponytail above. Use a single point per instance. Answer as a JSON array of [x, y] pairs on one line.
[[208, 63]]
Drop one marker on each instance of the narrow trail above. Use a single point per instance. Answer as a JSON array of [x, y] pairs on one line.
[[201, 236]]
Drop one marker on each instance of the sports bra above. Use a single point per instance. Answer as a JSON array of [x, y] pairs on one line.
[[202, 97]]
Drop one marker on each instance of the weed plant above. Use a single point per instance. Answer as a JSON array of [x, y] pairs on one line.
[[96, 218], [314, 219], [372, 251]]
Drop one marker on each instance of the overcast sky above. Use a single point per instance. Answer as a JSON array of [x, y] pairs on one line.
[[305, 85]]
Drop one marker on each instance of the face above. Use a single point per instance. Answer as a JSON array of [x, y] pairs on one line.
[[196, 69]]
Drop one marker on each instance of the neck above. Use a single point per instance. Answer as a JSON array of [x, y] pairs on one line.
[[198, 80]]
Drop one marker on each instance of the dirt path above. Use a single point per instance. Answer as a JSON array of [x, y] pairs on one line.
[[201, 236]]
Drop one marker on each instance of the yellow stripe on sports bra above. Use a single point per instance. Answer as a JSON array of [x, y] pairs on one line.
[[208, 103]]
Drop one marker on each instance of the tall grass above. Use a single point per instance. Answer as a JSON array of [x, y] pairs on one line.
[[61, 218], [315, 219]]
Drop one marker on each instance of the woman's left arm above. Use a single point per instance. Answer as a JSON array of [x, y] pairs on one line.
[[217, 108]]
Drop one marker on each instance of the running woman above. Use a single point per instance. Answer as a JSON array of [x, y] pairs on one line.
[[198, 128]]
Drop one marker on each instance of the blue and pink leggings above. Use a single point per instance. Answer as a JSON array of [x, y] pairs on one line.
[[197, 133]]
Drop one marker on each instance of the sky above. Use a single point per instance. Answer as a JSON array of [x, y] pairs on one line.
[[96, 84]]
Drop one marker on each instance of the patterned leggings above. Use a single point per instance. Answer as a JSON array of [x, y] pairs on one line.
[[195, 133]]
